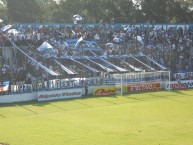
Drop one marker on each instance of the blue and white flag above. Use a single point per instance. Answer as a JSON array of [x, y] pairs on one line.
[[78, 42], [77, 17], [5, 28], [1, 20], [139, 39], [6, 86]]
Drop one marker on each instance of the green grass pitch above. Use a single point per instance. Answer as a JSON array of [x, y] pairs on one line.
[[153, 118]]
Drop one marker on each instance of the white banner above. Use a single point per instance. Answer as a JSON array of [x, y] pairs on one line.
[[175, 85], [183, 75], [21, 88], [59, 94]]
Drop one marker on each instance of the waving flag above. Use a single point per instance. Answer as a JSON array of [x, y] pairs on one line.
[[76, 18], [5, 28], [13, 31], [45, 46], [78, 42], [140, 40]]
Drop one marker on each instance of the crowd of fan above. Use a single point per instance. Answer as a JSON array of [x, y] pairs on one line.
[[171, 47]]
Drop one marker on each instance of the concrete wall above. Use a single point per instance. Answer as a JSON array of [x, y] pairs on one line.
[[18, 97], [34, 96]]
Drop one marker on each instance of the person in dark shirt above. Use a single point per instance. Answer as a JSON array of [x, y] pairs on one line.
[[86, 89]]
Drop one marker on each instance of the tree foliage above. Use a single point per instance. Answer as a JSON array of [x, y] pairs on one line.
[[95, 11], [24, 11]]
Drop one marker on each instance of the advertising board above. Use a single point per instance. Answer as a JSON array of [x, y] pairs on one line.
[[104, 91], [143, 87], [59, 94], [176, 85]]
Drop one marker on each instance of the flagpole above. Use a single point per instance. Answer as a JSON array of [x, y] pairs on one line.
[[81, 58], [81, 67], [59, 51]]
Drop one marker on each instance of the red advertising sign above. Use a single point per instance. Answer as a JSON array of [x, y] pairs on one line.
[[143, 87]]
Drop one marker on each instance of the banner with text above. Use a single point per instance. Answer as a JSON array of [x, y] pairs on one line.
[[59, 94], [176, 85], [180, 76], [143, 87], [104, 91]]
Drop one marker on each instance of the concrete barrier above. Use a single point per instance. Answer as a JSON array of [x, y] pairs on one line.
[[18, 97]]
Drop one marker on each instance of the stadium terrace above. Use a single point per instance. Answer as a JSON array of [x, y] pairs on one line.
[[41, 57]]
